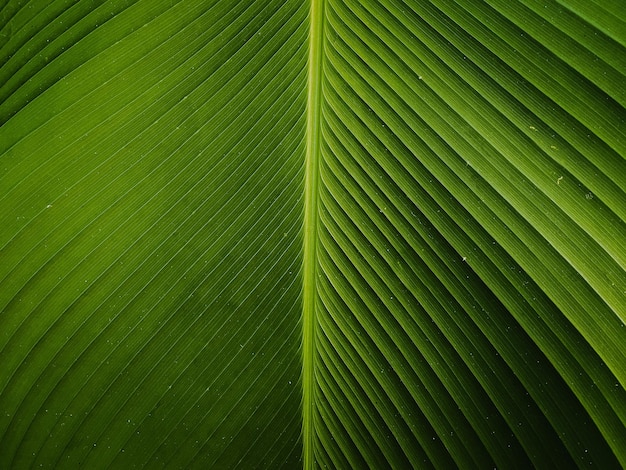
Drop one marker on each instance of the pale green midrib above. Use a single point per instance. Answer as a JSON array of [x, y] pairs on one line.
[[313, 134]]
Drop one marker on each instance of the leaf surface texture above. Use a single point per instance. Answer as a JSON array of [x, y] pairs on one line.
[[335, 234]]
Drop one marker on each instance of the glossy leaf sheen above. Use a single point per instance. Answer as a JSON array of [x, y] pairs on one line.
[[343, 234]]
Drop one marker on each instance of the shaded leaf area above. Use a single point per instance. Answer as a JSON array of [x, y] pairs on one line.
[[472, 283], [150, 306]]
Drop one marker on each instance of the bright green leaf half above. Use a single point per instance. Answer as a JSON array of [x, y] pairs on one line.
[[343, 234]]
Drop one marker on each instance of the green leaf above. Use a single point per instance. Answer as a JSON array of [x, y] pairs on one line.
[[344, 234]]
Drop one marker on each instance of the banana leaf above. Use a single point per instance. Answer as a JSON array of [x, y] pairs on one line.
[[334, 233]]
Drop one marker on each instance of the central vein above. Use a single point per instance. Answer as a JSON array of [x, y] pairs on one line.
[[313, 137]]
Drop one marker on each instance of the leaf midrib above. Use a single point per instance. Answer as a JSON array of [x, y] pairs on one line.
[[313, 133]]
